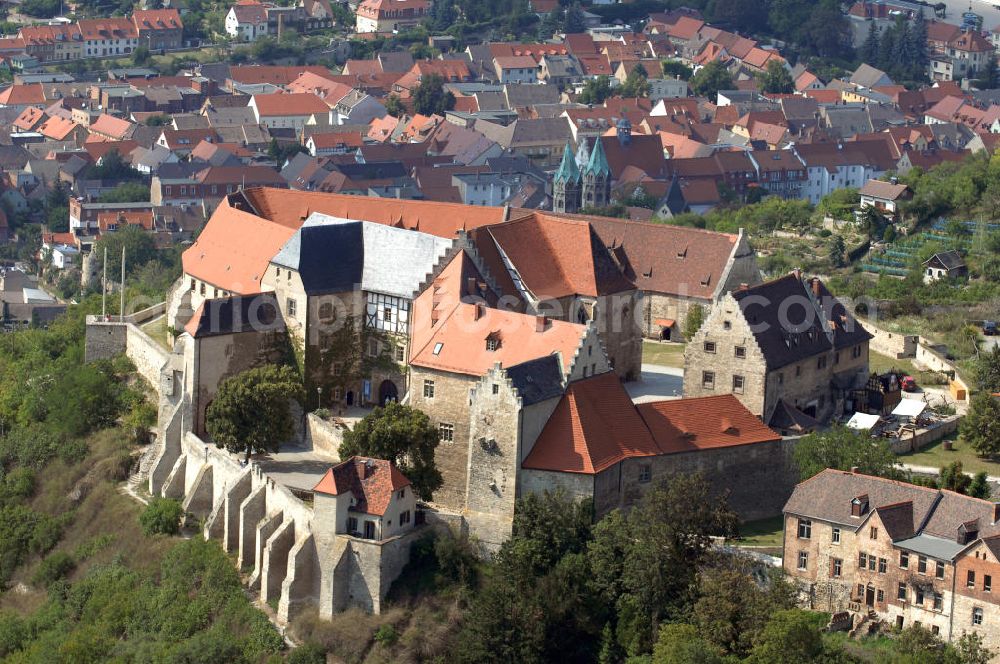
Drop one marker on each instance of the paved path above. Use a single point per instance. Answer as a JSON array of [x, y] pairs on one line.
[[928, 470], [296, 467], [657, 383]]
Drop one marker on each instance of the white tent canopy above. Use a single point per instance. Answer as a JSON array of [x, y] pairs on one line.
[[909, 408], [862, 421]]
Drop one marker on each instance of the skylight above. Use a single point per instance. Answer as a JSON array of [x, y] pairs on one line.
[[437, 348]]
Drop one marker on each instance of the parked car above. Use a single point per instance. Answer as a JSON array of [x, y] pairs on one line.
[[908, 384], [990, 328]]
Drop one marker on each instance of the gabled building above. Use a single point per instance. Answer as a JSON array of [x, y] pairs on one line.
[[906, 554], [159, 29], [247, 21], [784, 347], [387, 16]]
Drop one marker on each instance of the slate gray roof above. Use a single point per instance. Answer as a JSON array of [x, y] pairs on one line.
[[521, 95], [950, 260], [238, 313], [537, 380], [867, 76], [335, 255]]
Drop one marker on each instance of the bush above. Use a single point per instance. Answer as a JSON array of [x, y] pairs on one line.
[[309, 653], [161, 516], [386, 636], [54, 568]]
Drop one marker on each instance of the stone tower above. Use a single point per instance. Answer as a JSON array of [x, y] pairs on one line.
[[596, 178], [566, 184]]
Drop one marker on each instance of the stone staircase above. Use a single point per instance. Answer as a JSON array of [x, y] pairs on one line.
[[140, 473], [868, 624]]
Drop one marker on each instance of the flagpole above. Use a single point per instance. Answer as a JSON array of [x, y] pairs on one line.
[[104, 286], [121, 311]]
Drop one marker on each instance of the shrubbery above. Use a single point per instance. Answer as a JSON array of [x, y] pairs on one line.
[[161, 517]]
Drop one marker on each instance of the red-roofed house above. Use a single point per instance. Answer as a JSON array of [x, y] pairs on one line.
[[159, 29], [247, 21], [390, 15], [367, 498], [294, 110]]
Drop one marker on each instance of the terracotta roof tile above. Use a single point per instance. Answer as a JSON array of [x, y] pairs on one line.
[[687, 425], [295, 103], [372, 482]]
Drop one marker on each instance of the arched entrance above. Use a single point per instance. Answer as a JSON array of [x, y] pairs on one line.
[[387, 392]]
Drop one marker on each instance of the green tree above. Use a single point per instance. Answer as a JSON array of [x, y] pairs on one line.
[[113, 167], [595, 91], [162, 516], [676, 69], [869, 51], [141, 56], [988, 76], [842, 448], [139, 246], [683, 644], [776, 79], [400, 434], [251, 412], [430, 97], [952, 477], [644, 563], [552, 23], [692, 323], [987, 371], [791, 635], [636, 83], [980, 486], [838, 251], [980, 428], [394, 106], [574, 22], [971, 649], [126, 192], [711, 78]]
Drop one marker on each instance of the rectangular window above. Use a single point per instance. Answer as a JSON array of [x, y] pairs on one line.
[[369, 530], [805, 529], [373, 348], [738, 384], [428, 389], [904, 559], [970, 579], [882, 565], [352, 524], [708, 380], [446, 432], [645, 473], [873, 533], [400, 354], [709, 346], [404, 518], [922, 565], [821, 362], [838, 567], [803, 559], [290, 307], [741, 351], [879, 596], [977, 616], [835, 535], [871, 563], [939, 569], [862, 560], [987, 583], [938, 602], [920, 597], [901, 592]]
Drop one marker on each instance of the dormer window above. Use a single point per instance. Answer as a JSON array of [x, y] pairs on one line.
[[859, 506], [492, 342]]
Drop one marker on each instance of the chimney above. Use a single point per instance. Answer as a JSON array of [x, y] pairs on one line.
[[480, 310], [996, 512], [541, 323], [369, 468], [815, 285]]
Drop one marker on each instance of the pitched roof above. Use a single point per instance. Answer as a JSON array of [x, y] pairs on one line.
[[112, 127], [254, 312], [234, 266], [594, 426], [290, 208], [554, 256], [22, 95], [293, 103], [372, 482], [880, 189], [687, 425], [669, 259], [249, 12]]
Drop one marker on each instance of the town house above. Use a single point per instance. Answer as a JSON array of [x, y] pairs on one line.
[[786, 348], [909, 554]]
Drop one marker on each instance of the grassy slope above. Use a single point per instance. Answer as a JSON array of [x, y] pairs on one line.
[[667, 355], [936, 456]]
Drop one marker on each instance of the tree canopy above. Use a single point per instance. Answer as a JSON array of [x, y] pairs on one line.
[[711, 78], [843, 449], [402, 435], [430, 97], [251, 413], [776, 79]]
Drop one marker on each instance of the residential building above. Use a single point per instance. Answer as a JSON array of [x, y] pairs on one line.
[[516, 69], [246, 21], [292, 111], [786, 348], [159, 29], [885, 197], [104, 37], [906, 554], [944, 265], [387, 16]]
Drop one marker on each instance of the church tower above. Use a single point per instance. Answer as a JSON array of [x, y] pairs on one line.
[[596, 178], [566, 184]]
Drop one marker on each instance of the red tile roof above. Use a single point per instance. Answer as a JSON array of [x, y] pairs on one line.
[[22, 95], [594, 426], [372, 482], [217, 258], [281, 105], [687, 425]]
